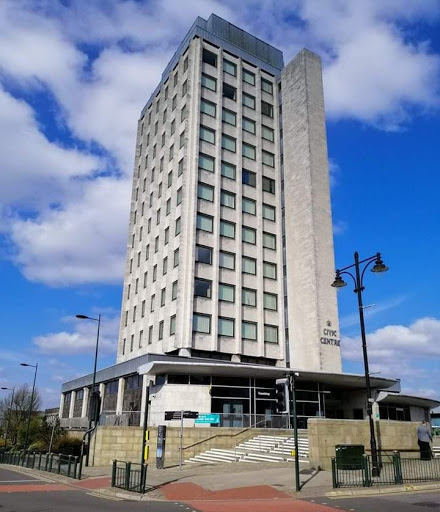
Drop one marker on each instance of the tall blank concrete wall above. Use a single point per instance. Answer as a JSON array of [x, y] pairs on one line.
[[325, 434]]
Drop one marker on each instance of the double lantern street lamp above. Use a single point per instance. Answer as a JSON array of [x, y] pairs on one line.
[[358, 280], [94, 398], [31, 402], [9, 412]]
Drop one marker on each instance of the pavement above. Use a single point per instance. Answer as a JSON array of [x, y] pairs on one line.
[[234, 487]]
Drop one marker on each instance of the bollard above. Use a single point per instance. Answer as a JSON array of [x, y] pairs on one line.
[[127, 475], [69, 464], [114, 472]]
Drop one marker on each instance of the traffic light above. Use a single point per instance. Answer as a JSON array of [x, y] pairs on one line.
[[282, 395]]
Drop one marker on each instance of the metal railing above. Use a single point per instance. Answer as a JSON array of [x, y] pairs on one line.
[[67, 465], [395, 469], [235, 420], [129, 476]]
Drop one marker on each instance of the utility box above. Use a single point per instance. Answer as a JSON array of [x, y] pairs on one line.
[[349, 456]]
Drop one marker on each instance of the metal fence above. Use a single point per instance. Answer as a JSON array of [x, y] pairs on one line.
[[394, 468], [66, 465], [129, 476]]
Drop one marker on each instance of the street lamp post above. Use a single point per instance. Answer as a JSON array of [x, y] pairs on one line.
[[358, 280], [31, 403], [93, 397], [10, 412]]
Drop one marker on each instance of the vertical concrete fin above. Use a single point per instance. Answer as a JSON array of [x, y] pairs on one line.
[[312, 304]]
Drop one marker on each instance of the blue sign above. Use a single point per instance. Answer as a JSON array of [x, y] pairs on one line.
[[208, 418]]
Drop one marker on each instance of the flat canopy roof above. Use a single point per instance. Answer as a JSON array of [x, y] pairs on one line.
[[398, 399], [225, 369]]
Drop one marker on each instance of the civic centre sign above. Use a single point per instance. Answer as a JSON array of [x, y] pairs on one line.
[[330, 336]]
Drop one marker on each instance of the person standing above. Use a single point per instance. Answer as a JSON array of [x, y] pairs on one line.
[[424, 437]]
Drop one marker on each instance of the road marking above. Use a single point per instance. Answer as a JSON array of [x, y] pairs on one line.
[[15, 481], [111, 498]]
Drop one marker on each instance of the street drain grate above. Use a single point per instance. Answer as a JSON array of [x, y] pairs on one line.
[[428, 504]]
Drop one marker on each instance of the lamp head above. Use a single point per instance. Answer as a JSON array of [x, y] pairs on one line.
[[338, 282], [82, 317], [24, 364], [379, 265]]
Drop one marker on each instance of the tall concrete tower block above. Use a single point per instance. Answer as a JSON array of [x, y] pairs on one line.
[[312, 312]]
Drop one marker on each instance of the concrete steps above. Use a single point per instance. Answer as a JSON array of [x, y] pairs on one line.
[[262, 448]]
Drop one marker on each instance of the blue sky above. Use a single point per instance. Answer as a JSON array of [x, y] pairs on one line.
[[74, 76]]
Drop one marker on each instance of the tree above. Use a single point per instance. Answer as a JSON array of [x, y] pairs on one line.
[[15, 413]]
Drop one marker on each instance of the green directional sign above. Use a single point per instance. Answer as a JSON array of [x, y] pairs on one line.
[[208, 418]]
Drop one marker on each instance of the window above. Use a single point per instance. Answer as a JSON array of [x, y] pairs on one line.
[[204, 222], [266, 86], [209, 82], [132, 343], [145, 279], [156, 126], [249, 331], [177, 227], [248, 125], [270, 301], [147, 252], [227, 199], [268, 212], [248, 178], [229, 92], [249, 101], [165, 265], [248, 77], [205, 192], [269, 241], [207, 134], [266, 109], [248, 206], [162, 144], [141, 335], [182, 139], [185, 64], [206, 162], [176, 78], [268, 185], [228, 170], [249, 297], [249, 265], [248, 151], [226, 292], [161, 330], [173, 126], [176, 258], [270, 333], [171, 152], [269, 270], [202, 288], [207, 107], [180, 168], [226, 260], [174, 291], [267, 133], [209, 57], [134, 314], [204, 254], [126, 319], [201, 323], [163, 295], [229, 143], [166, 93], [229, 67], [154, 273], [158, 217], [139, 259], [168, 207], [159, 191], [227, 229], [150, 334], [167, 236], [174, 102], [184, 87], [170, 179], [249, 235], [152, 303], [229, 117], [268, 159], [173, 325], [225, 327], [156, 244], [179, 196]]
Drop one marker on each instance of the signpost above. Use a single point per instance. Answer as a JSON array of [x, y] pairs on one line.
[[178, 415]]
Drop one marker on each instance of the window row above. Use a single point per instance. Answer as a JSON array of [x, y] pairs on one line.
[[172, 331], [227, 260], [229, 117], [231, 69], [226, 293], [226, 327]]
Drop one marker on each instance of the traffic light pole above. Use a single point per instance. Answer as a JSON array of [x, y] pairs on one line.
[[295, 431]]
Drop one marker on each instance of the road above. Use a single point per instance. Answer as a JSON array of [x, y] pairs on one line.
[[20, 492]]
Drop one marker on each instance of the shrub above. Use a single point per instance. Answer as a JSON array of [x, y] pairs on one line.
[[69, 446]]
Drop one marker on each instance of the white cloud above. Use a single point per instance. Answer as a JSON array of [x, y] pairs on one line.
[[376, 309], [82, 340], [339, 227]]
